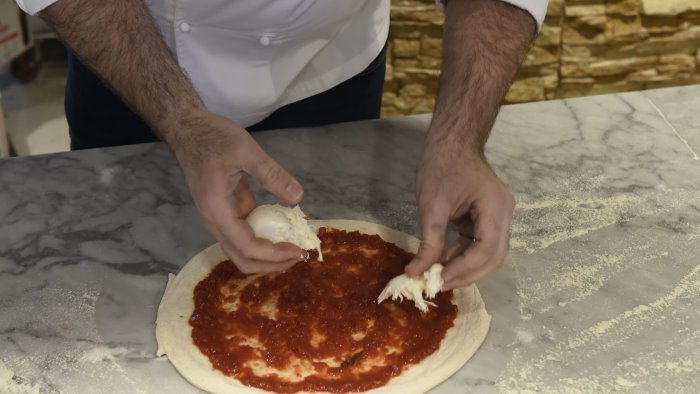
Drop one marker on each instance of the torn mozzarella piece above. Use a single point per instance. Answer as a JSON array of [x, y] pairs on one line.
[[284, 224], [417, 289]]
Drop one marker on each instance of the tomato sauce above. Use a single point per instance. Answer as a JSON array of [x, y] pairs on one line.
[[319, 322]]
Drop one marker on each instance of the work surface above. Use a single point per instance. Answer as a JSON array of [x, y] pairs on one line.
[[600, 292]]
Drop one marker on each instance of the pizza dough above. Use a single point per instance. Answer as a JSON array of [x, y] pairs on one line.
[[173, 330]]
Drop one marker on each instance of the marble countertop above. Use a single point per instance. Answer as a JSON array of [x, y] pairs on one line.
[[600, 292]]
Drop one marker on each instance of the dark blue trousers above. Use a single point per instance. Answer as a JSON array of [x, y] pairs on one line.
[[97, 117]]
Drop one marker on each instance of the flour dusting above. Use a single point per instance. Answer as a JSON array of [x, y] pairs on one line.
[[59, 349], [570, 365], [11, 384], [101, 354], [107, 175]]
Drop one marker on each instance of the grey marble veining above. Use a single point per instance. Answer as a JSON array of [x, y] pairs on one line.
[[672, 104], [600, 292]]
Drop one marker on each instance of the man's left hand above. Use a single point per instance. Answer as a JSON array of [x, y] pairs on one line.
[[461, 188]]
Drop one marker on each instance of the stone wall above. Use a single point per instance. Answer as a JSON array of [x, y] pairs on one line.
[[585, 47]]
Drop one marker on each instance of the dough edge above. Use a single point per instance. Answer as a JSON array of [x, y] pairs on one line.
[[173, 332]]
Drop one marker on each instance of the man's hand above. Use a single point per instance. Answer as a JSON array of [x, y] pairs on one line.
[[484, 43], [463, 191], [217, 156], [120, 42]]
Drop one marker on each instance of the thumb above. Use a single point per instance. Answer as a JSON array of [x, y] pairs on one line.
[[276, 179], [432, 245]]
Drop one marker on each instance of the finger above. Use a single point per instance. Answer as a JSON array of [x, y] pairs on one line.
[[223, 218], [275, 179], [458, 247], [465, 228], [433, 232], [243, 198], [240, 237], [489, 236], [471, 277]]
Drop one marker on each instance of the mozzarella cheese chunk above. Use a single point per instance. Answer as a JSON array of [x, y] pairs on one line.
[[284, 224], [417, 289]]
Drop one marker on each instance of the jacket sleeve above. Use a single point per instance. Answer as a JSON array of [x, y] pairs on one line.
[[536, 8], [32, 7]]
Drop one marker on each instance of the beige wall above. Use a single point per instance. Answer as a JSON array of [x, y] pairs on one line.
[[586, 47]]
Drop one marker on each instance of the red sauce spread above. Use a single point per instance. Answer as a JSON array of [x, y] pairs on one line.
[[317, 326]]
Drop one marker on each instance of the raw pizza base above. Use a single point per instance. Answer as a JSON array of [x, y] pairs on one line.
[[174, 333]]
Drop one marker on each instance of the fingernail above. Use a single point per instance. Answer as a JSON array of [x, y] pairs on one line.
[[294, 191]]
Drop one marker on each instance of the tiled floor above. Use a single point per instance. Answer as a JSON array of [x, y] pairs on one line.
[[35, 119]]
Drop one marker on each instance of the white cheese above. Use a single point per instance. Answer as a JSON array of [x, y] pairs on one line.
[[284, 224], [417, 289]]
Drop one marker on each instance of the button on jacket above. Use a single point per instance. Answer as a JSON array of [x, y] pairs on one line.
[[246, 58]]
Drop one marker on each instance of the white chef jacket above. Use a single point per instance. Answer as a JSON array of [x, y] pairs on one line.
[[247, 58]]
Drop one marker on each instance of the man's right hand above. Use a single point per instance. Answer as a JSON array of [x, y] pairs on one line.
[[217, 156]]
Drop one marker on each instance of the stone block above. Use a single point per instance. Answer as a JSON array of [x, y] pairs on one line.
[[549, 36], [584, 30], [428, 77], [429, 62], [623, 7], [424, 106], [647, 75], [413, 90], [672, 70], [682, 60], [679, 80], [389, 98], [687, 40], [584, 10], [585, 47], [404, 48], [428, 14], [577, 90], [550, 81], [431, 47], [625, 29], [406, 63], [402, 29], [615, 87], [555, 8], [669, 7], [414, 105], [693, 18], [520, 93], [593, 22], [662, 25], [577, 82], [550, 20], [575, 51], [539, 56], [538, 71], [607, 67], [391, 86]]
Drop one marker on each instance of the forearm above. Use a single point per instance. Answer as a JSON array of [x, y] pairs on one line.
[[484, 44], [120, 42]]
